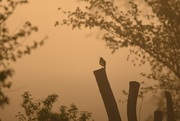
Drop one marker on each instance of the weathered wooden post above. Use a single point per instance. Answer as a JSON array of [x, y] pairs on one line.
[[132, 100], [170, 113], [158, 115], [107, 95]]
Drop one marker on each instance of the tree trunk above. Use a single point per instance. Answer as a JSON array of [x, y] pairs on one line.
[[132, 100], [107, 95]]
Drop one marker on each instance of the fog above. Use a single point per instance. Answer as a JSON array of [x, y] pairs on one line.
[[65, 64]]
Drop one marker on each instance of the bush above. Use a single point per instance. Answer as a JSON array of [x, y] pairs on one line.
[[41, 110]]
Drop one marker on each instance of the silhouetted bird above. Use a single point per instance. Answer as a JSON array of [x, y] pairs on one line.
[[102, 62]]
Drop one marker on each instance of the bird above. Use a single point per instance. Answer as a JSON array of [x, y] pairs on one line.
[[102, 62]]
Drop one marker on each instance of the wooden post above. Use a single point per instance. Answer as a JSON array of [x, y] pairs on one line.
[[107, 95], [158, 115], [170, 113], [132, 100]]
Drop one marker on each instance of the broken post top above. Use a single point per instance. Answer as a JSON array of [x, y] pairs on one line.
[[134, 83], [99, 70]]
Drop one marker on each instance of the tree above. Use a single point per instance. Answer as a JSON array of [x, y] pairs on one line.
[[41, 110], [11, 44], [154, 38]]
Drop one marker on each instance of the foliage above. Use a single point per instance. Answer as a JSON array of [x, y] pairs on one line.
[[11, 43], [41, 110], [152, 38]]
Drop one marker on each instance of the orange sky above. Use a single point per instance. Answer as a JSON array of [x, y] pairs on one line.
[[65, 64]]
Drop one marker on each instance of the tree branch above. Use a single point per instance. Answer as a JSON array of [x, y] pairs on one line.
[[160, 60]]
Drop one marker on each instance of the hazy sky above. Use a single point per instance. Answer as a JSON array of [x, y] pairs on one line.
[[65, 64]]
